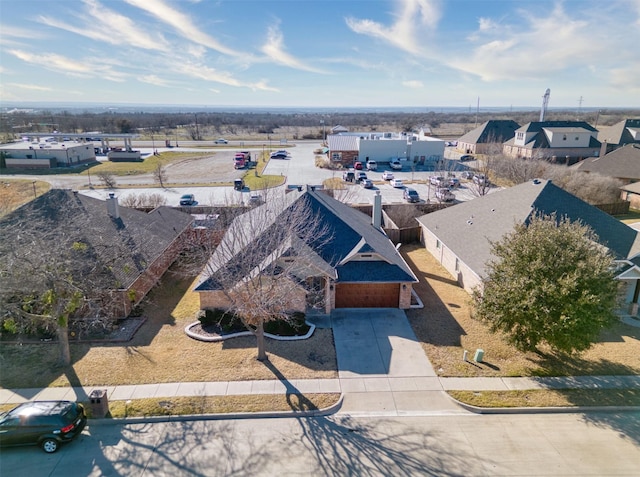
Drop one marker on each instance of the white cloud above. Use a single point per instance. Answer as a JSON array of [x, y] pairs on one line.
[[403, 32], [209, 74], [109, 27], [32, 87], [154, 80], [413, 84], [182, 24], [543, 46], [275, 50], [59, 63]]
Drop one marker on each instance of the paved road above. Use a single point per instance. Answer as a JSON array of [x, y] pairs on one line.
[[554, 445], [299, 169]]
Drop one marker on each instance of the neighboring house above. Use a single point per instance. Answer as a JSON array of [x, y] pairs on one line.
[[382, 147], [130, 249], [622, 163], [631, 193], [460, 237], [356, 267], [565, 142], [488, 137], [624, 132], [338, 129]]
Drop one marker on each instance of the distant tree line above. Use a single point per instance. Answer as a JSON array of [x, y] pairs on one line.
[[237, 123]]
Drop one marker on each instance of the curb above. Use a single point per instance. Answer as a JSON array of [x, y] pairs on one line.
[[218, 417], [543, 410]]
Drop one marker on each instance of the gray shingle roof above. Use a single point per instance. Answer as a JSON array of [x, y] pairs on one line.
[[619, 133], [124, 246], [468, 228], [493, 131], [347, 230], [623, 163]]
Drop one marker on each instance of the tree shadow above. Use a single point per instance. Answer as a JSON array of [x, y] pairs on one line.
[[346, 446]]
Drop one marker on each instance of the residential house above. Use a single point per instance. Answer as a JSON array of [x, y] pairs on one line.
[[356, 266], [129, 250], [620, 134], [460, 237], [488, 137], [565, 142], [622, 163]]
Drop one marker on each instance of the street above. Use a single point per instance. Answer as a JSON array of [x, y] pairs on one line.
[[299, 169], [468, 445]]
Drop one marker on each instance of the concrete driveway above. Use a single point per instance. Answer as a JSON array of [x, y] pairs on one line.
[[382, 368]]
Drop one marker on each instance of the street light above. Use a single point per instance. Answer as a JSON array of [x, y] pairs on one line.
[[89, 173], [324, 136], [35, 195]]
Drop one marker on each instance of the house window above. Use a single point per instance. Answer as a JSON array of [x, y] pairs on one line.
[[457, 265], [336, 156], [437, 243], [366, 255]]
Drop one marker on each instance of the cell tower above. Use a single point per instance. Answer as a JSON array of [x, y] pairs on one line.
[[545, 103]]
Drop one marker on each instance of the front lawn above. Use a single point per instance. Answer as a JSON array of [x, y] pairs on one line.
[[161, 352], [445, 328]]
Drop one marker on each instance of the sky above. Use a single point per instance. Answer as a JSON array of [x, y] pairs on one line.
[[322, 53]]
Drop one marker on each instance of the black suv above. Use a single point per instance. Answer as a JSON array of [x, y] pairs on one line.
[[45, 423]]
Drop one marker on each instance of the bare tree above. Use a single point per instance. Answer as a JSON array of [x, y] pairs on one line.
[[108, 179], [144, 200], [50, 278], [160, 175], [268, 265]]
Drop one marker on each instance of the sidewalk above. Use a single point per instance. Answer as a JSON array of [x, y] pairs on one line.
[[351, 385]]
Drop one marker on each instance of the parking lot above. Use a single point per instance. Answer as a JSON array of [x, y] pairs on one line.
[[299, 169]]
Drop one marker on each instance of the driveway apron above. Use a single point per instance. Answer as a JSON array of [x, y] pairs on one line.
[[382, 367]]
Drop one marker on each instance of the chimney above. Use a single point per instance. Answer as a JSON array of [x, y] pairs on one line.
[[112, 206], [603, 149], [376, 218]]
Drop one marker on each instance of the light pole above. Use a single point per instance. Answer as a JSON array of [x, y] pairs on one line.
[[323, 133], [89, 173], [35, 195]]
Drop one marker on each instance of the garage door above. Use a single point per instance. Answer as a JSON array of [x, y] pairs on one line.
[[368, 295]]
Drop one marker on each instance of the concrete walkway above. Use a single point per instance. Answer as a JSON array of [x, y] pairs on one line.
[[382, 371]]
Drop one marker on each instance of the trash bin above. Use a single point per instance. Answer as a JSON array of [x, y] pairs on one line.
[[99, 403], [478, 356]]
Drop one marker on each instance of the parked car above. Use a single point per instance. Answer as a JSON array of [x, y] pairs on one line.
[[453, 182], [443, 194], [357, 165], [221, 141], [372, 166], [349, 176], [361, 176], [467, 157], [187, 199], [387, 176], [397, 183], [367, 183], [238, 184], [45, 423], [480, 179], [467, 174], [395, 164], [279, 155], [411, 195], [437, 180]]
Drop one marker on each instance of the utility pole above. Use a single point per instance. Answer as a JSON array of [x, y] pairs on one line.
[[195, 115]]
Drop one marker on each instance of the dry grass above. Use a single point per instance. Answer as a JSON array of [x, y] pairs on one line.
[[160, 352], [550, 398], [17, 192], [179, 406], [445, 328]]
